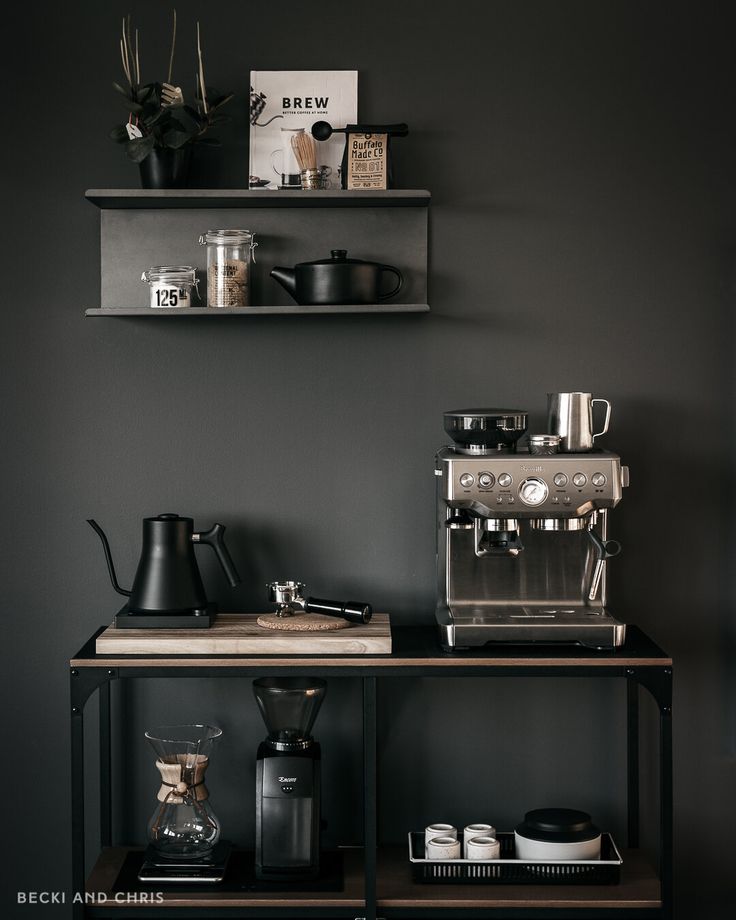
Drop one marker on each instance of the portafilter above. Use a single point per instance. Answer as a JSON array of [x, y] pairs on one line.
[[289, 597]]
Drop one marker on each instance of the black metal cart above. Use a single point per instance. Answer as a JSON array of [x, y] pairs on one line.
[[377, 882]]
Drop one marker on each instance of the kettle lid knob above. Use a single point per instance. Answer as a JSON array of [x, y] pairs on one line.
[[168, 517], [339, 255]]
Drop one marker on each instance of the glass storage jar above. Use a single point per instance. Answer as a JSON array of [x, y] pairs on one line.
[[229, 255], [171, 285]]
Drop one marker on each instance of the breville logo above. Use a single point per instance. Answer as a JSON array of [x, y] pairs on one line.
[[287, 779], [532, 469]]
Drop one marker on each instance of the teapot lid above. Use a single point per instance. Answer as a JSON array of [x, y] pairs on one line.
[[339, 257]]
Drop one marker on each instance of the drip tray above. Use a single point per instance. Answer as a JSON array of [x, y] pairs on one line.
[[473, 626]]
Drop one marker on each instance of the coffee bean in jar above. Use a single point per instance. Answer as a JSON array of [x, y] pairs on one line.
[[229, 257]]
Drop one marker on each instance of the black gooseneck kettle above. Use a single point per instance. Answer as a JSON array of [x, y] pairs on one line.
[[167, 581]]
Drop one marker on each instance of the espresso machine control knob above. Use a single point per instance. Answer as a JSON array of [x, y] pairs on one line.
[[560, 480], [598, 479], [467, 480], [486, 480], [579, 480], [533, 491], [505, 480]]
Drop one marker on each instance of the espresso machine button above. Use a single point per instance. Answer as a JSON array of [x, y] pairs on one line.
[[533, 491], [598, 479], [579, 480], [467, 480], [505, 480], [486, 480], [560, 480]]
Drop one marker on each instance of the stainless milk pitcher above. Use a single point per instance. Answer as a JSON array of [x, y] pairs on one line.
[[570, 415]]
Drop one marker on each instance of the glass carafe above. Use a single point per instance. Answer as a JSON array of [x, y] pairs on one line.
[[183, 824]]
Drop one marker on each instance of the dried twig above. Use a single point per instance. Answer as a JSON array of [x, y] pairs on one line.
[[137, 62], [203, 89], [126, 59], [173, 45], [125, 63]]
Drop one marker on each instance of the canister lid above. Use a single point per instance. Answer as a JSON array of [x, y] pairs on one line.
[[172, 273], [233, 237]]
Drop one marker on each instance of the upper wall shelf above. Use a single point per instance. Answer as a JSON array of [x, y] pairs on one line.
[[256, 198], [144, 227]]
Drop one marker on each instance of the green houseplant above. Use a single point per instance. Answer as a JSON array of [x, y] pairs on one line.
[[162, 129]]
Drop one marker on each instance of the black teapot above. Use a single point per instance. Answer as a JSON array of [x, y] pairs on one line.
[[167, 582], [337, 280]]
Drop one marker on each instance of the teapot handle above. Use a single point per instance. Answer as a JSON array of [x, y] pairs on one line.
[[394, 291], [214, 538]]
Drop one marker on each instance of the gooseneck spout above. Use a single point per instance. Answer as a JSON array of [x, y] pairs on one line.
[[286, 277], [108, 557]]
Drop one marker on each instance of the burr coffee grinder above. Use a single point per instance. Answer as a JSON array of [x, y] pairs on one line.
[[522, 544], [288, 779]]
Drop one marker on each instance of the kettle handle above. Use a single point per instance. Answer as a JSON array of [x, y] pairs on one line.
[[214, 537], [394, 291]]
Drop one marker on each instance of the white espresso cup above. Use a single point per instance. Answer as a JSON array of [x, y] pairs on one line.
[[439, 830], [476, 830], [482, 848], [443, 848]]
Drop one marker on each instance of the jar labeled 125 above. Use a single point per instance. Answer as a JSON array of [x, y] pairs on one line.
[[171, 285]]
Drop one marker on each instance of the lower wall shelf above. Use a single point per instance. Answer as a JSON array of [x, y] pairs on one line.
[[293, 310]]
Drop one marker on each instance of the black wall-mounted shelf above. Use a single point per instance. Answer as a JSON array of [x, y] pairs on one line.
[[293, 310], [256, 198], [144, 227]]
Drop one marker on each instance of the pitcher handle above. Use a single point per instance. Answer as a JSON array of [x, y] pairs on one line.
[[608, 416]]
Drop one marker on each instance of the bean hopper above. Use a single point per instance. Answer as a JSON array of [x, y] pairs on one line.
[[522, 539]]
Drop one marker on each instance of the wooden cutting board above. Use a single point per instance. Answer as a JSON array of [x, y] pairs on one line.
[[240, 634]]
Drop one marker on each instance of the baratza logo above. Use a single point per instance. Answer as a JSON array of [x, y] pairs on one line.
[[287, 779]]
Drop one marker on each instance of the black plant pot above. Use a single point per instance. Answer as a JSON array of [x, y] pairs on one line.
[[166, 168]]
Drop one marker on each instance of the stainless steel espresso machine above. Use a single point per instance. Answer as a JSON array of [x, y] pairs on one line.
[[522, 538]]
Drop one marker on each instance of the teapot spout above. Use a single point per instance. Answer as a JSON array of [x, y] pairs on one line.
[[108, 557], [286, 277]]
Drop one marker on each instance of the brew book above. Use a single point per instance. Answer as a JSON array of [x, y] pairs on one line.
[[284, 101]]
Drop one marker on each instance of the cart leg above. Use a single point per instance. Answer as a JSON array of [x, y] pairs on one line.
[[370, 831]]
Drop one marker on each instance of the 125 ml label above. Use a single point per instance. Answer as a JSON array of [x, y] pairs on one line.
[[169, 295]]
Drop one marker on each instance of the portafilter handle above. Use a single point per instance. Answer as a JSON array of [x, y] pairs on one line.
[[354, 611]]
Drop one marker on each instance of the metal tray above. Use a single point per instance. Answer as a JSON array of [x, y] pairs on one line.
[[507, 870]]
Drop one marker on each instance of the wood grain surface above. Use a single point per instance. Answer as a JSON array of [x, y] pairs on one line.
[[240, 634]]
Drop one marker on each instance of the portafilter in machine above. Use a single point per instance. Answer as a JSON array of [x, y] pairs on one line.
[[522, 538]]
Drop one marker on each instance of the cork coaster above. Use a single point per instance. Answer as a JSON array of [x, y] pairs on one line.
[[301, 622]]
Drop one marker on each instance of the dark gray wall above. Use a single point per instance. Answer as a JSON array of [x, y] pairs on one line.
[[581, 160]]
